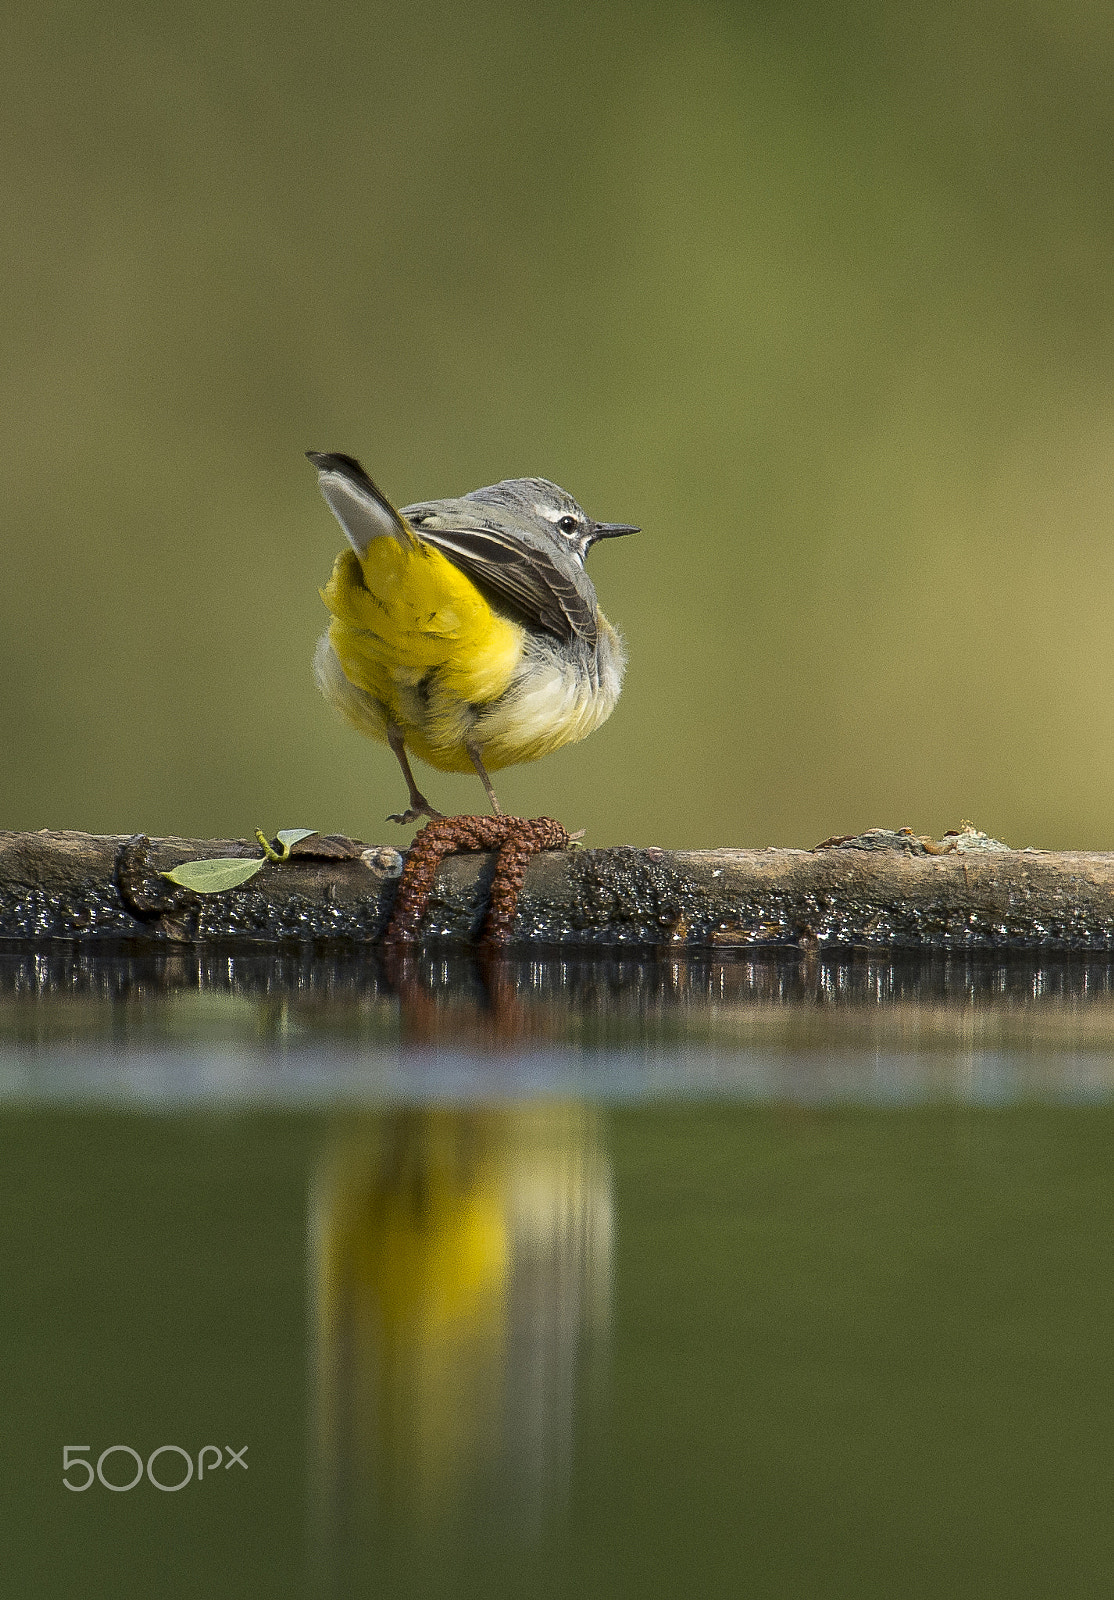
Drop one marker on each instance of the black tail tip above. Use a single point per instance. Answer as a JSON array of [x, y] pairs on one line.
[[333, 461]]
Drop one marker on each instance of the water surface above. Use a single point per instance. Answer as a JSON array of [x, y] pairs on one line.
[[770, 1276]]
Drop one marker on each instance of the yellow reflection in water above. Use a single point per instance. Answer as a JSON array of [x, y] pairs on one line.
[[461, 1281]]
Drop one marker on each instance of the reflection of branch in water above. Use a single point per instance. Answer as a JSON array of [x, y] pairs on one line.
[[320, 1001], [461, 1262], [488, 1012]]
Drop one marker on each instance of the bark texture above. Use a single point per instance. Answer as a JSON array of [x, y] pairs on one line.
[[880, 890]]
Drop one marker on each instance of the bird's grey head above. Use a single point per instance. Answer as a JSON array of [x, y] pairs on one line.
[[552, 510]]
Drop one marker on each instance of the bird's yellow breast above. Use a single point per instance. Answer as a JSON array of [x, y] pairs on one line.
[[421, 642]]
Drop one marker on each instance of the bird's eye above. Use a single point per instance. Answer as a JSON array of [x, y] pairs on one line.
[[567, 524]]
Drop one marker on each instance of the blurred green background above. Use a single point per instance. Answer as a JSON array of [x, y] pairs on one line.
[[821, 295]]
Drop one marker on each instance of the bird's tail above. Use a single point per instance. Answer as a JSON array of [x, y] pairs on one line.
[[363, 511]]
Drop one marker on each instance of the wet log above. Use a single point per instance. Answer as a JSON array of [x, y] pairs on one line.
[[877, 890]]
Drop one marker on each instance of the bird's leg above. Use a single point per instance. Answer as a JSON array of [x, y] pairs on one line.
[[474, 751], [419, 805]]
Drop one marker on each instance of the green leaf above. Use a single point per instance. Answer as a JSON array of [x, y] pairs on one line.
[[289, 837], [212, 877]]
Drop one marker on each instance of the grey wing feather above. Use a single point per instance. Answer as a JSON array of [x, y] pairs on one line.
[[522, 574]]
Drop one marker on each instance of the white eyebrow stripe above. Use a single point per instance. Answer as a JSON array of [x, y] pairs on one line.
[[548, 513]]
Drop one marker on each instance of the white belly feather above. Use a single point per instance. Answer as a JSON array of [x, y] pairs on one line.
[[559, 695]]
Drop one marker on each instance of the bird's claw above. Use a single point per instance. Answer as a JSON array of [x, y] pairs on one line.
[[414, 813]]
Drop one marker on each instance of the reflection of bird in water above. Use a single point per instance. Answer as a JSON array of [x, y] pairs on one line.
[[461, 1260]]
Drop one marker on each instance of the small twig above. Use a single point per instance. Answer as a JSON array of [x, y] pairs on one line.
[[515, 838]]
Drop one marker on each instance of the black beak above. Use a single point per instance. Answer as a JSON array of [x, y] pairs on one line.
[[610, 530]]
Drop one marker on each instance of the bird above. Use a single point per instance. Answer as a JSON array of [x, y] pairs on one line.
[[465, 631]]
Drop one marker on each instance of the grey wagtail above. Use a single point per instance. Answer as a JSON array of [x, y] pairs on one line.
[[465, 631]]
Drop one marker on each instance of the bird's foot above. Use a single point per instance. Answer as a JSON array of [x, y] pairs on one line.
[[515, 838], [424, 809]]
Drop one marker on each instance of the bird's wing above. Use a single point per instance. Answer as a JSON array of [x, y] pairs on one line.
[[517, 570]]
